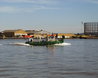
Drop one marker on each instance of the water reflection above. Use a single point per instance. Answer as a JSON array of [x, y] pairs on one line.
[[51, 49]]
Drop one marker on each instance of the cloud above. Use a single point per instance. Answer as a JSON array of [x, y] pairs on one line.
[[11, 9], [34, 5], [31, 1], [7, 9], [93, 1]]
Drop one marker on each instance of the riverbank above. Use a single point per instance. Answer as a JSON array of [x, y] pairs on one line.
[[64, 38]]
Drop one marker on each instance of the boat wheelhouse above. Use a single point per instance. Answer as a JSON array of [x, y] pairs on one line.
[[44, 41]]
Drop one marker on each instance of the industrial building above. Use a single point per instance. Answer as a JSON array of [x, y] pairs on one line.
[[14, 33], [91, 28]]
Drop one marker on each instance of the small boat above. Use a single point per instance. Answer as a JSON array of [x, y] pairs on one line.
[[46, 41]]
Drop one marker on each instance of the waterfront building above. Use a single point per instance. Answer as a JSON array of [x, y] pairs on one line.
[[2, 36], [91, 28], [14, 33], [66, 35], [30, 32], [37, 33]]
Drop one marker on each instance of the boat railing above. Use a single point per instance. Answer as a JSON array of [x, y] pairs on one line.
[[41, 39]]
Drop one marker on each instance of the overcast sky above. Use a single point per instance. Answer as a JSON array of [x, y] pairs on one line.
[[52, 15]]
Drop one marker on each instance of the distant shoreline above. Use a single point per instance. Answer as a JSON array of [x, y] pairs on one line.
[[27, 38]]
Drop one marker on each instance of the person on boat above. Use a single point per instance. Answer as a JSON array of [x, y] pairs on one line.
[[56, 36], [63, 37], [30, 39]]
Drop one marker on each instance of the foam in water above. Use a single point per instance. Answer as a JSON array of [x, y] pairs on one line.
[[20, 44], [23, 44], [63, 44]]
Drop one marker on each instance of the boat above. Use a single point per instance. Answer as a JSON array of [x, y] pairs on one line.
[[45, 41]]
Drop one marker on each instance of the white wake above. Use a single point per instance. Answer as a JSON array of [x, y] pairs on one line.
[[20, 44], [24, 44], [63, 44]]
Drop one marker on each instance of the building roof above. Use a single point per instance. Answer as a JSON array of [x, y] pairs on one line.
[[37, 31], [31, 31], [66, 34], [9, 30], [13, 30]]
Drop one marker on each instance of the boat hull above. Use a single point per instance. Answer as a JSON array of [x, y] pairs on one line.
[[42, 43]]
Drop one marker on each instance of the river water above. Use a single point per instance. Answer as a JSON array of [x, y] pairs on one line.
[[78, 60]]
